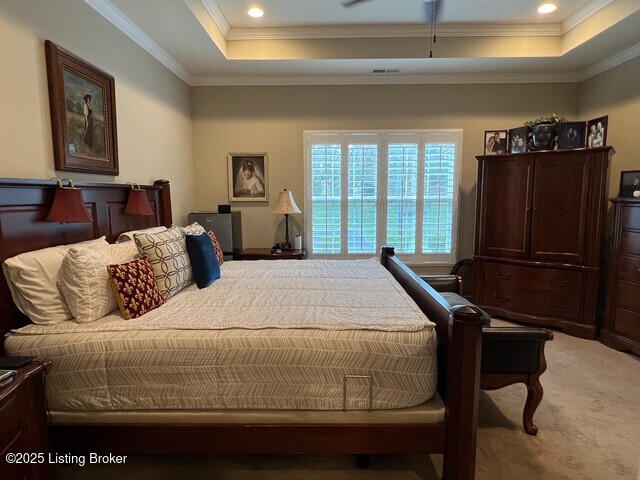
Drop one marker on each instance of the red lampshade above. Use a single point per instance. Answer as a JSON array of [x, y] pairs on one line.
[[138, 203], [68, 206]]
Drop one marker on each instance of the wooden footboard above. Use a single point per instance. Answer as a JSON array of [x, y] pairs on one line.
[[459, 354]]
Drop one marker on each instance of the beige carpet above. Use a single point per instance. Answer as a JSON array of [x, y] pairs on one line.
[[589, 430]]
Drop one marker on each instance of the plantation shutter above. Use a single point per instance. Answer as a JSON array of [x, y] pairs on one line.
[[367, 189], [326, 174]]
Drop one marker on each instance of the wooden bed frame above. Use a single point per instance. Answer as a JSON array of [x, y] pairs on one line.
[[23, 207]]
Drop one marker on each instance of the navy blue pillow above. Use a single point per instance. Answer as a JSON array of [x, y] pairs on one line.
[[204, 261]]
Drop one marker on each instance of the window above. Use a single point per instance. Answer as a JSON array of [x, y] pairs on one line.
[[368, 189]]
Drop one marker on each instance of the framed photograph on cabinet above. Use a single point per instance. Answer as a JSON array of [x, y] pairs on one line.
[[630, 183], [597, 132], [571, 135], [519, 140], [248, 177], [82, 101], [495, 142]]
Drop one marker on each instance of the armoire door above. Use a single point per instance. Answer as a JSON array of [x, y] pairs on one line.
[[560, 188], [504, 225]]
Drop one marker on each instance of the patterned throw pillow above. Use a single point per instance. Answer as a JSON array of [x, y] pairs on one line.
[[194, 229], [168, 256], [216, 244], [135, 287]]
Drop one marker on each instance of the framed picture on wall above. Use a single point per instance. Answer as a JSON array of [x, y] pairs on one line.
[[82, 101], [248, 181]]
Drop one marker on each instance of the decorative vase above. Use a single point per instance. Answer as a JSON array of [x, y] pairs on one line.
[[544, 136]]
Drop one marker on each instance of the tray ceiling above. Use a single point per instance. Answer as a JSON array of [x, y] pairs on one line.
[[210, 42]]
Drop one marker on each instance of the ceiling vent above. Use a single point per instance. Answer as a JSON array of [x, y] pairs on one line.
[[379, 71]]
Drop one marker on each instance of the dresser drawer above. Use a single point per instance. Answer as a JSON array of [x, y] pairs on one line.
[[542, 304], [630, 243], [13, 418], [628, 268], [627, 323], [627, 295], [630, 217], [568, 282]]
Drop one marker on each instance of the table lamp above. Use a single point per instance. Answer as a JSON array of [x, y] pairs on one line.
[[286, 206]]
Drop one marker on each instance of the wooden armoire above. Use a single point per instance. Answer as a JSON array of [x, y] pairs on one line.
[[539, 224]]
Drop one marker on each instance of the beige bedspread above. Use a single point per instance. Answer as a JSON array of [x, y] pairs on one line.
[[268, 335]]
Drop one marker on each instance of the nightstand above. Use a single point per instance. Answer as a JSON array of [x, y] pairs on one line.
[[23, 424], [265, 254]]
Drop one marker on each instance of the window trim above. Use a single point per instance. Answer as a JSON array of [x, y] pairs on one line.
[[382, 139]]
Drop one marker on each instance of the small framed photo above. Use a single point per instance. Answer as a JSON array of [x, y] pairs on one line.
[[518, 140], [597, 132], [248, 177], [495, 142], [630, 183], [571, 135]]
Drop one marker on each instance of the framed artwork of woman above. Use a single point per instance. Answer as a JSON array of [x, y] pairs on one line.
[[83, 114], [248, 177]]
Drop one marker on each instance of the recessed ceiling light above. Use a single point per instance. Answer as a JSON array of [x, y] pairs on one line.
[[255, 12], [547, 8]]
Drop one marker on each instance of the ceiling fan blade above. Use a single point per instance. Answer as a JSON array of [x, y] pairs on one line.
[[352, 3], [432, 10]]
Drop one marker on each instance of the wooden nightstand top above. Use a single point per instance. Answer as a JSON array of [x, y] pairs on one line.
[[265, 254]]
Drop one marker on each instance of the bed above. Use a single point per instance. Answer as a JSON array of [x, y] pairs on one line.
[[199, 389]]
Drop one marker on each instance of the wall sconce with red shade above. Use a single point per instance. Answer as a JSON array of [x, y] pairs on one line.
[[68, 205], [138, 202]]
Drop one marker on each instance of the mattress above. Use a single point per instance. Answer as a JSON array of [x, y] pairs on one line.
[[268, 335]]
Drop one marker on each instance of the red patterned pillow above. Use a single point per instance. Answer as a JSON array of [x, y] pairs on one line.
[[135, 287], [216, 244]]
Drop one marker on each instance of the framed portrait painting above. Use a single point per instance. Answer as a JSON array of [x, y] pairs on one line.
[[82, 101], [248, 177]]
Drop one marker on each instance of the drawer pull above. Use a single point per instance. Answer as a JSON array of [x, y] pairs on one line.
[[502, 299], [503, 276], [560, 283], [557, 309]]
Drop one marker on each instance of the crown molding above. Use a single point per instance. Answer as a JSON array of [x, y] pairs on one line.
[[217, 16], [610, 62], [371, 79], [583, 14], [118, 19], [395, 31]]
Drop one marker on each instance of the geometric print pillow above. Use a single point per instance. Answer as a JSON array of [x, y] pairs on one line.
[[135, 287], [167, 253], [194, 229], [218, 247]]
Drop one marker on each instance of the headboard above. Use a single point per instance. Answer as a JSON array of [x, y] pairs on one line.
[[24, 205]]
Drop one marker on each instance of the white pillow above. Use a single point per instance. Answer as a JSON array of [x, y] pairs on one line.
[[84, 280], [32, 278], [128, 236]]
